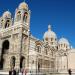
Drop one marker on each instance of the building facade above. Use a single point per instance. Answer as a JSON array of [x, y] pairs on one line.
[[20, 49]]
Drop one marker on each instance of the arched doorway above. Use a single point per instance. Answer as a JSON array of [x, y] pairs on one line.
[[5, 47], [38, 67], [12, 61], [22, 62]]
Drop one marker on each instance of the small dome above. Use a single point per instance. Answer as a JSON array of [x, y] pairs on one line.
[[49, 34], [7, 14], [63, 41], [23, 5]]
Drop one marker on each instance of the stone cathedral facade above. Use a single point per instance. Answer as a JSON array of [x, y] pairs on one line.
[[20, 49]]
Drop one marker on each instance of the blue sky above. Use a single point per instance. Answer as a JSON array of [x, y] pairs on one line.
[[59, 13]]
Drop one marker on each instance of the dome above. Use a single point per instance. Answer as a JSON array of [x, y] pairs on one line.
[[49, 33], [63, 41], [7, 14], [23, 5]]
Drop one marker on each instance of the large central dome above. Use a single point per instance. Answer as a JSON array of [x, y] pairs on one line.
[[49, 34]]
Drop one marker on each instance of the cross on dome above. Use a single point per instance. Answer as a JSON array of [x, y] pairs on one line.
[[49, 34], [49, 27], [24, 0], [8, 9]]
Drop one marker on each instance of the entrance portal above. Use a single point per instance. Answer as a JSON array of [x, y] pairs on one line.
[[22, 62], [5, 47]]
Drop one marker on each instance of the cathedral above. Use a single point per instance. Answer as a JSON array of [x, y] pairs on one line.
[[21, 50]]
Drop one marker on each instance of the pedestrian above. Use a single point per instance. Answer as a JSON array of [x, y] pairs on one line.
[[69, 72], [20, 72], [13, 71], [10, 72], [17, 72], [24, 71]]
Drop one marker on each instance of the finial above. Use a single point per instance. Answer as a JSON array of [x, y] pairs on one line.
[[49, 27], [71, 47], [24, 0], [62, 36], [8, 9]]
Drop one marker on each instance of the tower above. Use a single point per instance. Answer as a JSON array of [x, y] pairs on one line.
[[5, 24], [14, 39]]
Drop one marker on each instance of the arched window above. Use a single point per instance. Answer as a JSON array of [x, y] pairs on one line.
[[25, 17], [46, 39], [61, 45], [38, 48], [22, 62], [52, 64], [51, 39], [2, 22], [64, 45], [55, 39], [18, 16], [38, 66], [46, 51], [7, 23], [52, 43]]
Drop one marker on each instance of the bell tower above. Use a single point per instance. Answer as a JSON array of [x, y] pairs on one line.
[[14, 39], [22, 15], [5, 38], [22, 30], [6, 20], [22, 26]]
